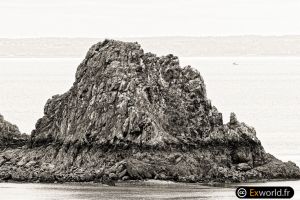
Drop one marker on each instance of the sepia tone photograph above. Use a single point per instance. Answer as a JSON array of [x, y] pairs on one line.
[[148, 100]]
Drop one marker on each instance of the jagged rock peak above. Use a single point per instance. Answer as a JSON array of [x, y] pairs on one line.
[[10, 135], [122, 94], [7, 127], [233, 120]]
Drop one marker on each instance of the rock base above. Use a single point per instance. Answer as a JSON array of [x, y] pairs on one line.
[[212, 163]]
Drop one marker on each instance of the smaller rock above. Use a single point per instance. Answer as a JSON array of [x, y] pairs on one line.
[[125, 178], [120, 168], [112, 176], [178, 159], [121, 174], [191, 178], [182, 179], [30, 163], [233, 120], [243, 167], [21, 162], [47, 166], [5, 176], [162, 176], [107, 181], [2, 160]]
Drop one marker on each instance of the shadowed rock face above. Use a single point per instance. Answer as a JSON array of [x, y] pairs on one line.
[[132, 115]]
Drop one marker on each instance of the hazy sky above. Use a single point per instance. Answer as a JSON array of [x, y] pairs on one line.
[[131, 18]]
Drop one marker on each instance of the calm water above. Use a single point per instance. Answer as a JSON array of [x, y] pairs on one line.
[[148, 191], [94, 192], [263, 92]]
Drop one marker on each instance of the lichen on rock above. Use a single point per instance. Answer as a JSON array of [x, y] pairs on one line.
[[133, 115]]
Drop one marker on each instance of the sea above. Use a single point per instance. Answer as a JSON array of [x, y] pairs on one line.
[[264, 92]]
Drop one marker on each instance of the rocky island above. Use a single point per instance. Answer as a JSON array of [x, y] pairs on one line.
[[132, 115]]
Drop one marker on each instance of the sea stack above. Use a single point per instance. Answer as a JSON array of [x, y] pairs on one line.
[[132, 115]]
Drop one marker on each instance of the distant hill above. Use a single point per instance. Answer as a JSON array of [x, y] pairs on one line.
[[181, 46]]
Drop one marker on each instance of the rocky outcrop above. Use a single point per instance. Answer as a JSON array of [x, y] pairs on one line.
[[10, 135], [133, 115]]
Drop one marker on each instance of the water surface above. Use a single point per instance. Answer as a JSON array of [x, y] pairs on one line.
[[148, 191]]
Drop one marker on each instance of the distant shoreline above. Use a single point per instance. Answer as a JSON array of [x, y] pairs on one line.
[[209, 46], [180, 57]]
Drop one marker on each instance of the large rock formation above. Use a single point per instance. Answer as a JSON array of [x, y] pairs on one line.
[[133, 115]]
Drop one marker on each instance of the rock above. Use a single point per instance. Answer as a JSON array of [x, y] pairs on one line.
[[2, 160], [233, 120], [133, 115], [162, 176], [191, 178], [137, 92], [5, 177], [243, 167], [125, 178], [22, 162], [112, 176], [242, 154], [31, 163], [121, 174], [107, 181], [178, 159], [10, 135], [47, 166]]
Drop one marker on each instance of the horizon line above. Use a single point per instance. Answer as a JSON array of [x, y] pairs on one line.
[[146, 37]]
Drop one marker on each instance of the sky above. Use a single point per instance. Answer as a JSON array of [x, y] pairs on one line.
[[141, 18]]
